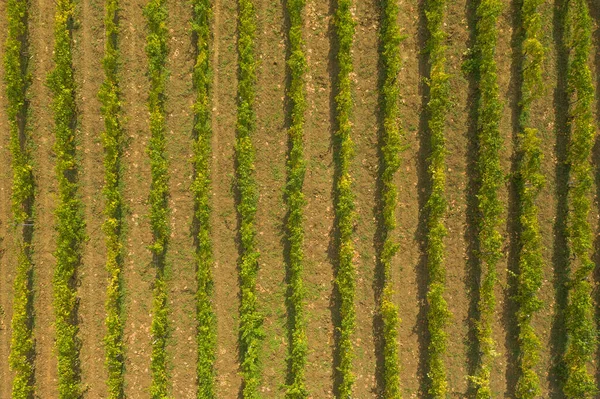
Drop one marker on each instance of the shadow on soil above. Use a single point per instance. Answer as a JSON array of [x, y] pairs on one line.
[[334, 235], [473, 264], [509, 314], [560, 257], [424, 192], [27, 229], [380, 235]]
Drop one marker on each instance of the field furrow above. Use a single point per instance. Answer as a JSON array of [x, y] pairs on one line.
[[87, 62], [138, 272]]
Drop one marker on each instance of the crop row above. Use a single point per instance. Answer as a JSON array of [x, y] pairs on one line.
[[70, 223], [17, 81], [437, 107], [250, 328], [581, 331], [529, 182], [112, 139], [207, 336], [295, 201], [391, 143], [490, 179], [344, 199], [156, 50]]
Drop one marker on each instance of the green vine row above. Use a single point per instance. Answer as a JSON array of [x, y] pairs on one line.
[[437, 108], [490, 180], [17, 81], [250, 328], [112, 139], [582, 337], [207, 334], [529, 182], [156, 49], [345, 280], [70, 224], [296, 168]]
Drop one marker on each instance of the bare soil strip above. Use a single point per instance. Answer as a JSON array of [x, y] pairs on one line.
[[138, 274], [364, 171], [456, 172], [180, 256], [318, 189], [226, 300], [271, 146], [44, 241], [408, 279], [89, 74]]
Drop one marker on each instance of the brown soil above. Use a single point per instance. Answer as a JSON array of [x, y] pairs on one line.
[[138, 274], [319, 211], [41, 30], [223, 218], [271, 145], [364, 172], [457, 183], [180, 258], [93, 277], [410, 269]]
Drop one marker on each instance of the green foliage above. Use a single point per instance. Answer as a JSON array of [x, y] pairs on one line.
[[250, 328], [530, 275], [207, 335], [69, 213], [344, 199], [17, 81], [297, 350], [157, 51], [437, 107], [390, 40], [22, 346], [582, 338], [112, 139], [490, 180], [529, 181]]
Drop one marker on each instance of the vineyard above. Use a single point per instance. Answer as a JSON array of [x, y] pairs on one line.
[[299, 199]]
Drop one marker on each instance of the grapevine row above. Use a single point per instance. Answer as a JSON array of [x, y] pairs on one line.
[[250, 328], [69, 213], [390, 39], [581, 331], [17, 82], [112, 139], [207, 339], [344, 199], [296, 168], [490, 179], [529, 182], [156, 50], [437, 107]]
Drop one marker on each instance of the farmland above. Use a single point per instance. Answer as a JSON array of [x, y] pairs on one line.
[[374, 199]]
